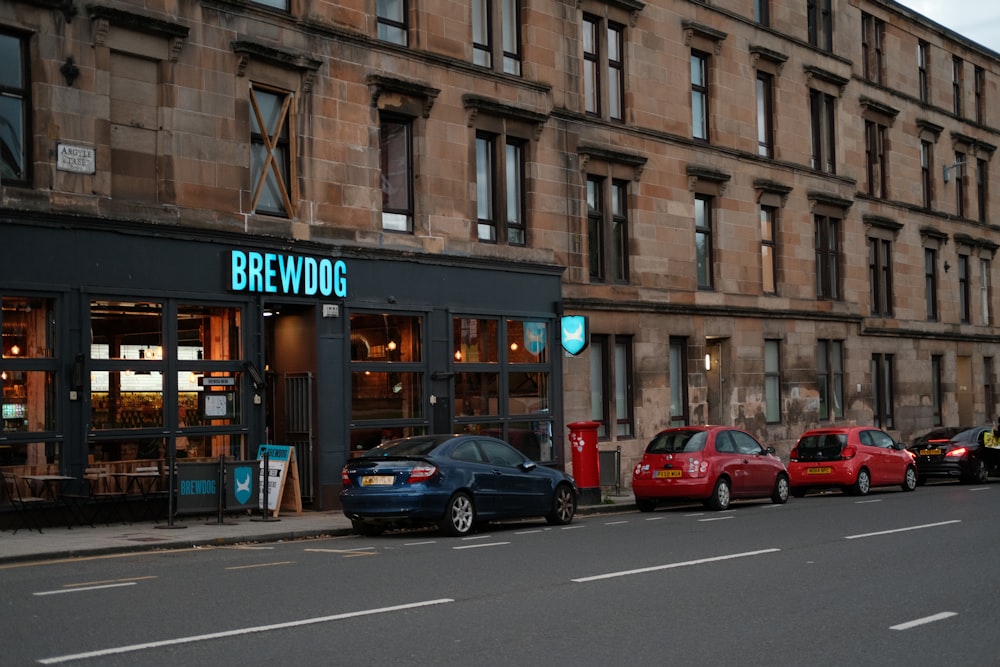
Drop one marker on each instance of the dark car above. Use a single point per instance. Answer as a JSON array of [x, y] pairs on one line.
[[713, 464], [452, 481], [955, 453]]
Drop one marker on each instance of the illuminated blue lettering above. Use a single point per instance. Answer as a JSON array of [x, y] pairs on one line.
[[270, 273], [287, 274], [255, 270], [291, 274], [310, 286], [340, 278], [238, 272]]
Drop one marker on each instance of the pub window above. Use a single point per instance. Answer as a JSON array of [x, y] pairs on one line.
[[830, 378], [272, 151], [497, 17], [937, 389], [392, 21], [923, 65], [772, 381], [880, 276], [679, 415], [872, 45], [823, 130], [931, 283], [500, 205], [15, 103], [396, 164], [819, 17], [611, 396], [828, 257], [882, 391], [603, 67]]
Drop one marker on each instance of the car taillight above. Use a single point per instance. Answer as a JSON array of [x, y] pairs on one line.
[[848, 453], [794, 455], [344, 479], [959, 451], [421, 473]]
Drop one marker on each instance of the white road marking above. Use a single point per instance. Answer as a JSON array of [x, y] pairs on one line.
[[656, 518], [477, 537], [419, 544], [902, 530], [715, 518], [359, 550], [922, 621], [643, 570], [865, 502], [529, 532], [238, 632], [572, 527], [476, 546], [980, 488], [614, 523], [84, 588], [256, 565]]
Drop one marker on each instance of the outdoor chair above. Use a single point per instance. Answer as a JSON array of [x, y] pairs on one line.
[[26, 506]]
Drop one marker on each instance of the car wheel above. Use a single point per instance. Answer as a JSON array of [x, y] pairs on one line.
[[979, 474], [459, 516], [780, 494], [563, 506], [645, 505], [367, 529], [721, 495], [910, 479], [863, 484]]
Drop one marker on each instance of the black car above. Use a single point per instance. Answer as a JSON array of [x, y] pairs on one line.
[[955, 453], [452, 481]]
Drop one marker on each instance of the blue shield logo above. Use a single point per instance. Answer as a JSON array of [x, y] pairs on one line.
[[575, 334], [244, 479], [534, 337]]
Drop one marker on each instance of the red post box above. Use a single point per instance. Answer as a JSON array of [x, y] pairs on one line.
[[586, 461]]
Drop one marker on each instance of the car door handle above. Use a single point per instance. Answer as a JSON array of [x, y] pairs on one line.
[[497, 472]]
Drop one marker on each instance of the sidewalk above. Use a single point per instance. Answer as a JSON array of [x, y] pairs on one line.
[[56, 542]]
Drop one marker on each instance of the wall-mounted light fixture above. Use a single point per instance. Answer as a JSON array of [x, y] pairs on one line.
[[708, 362]]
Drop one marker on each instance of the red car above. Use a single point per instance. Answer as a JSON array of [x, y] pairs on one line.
[[854, 458], [714, 464]]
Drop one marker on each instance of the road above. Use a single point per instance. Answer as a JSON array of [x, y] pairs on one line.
[[893, 578]]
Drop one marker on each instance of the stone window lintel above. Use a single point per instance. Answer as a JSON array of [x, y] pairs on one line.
[[379, 84]]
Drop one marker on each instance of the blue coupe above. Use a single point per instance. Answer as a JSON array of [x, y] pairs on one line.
[[453, 481]]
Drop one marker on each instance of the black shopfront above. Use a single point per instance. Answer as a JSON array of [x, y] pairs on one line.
[[125, 344]]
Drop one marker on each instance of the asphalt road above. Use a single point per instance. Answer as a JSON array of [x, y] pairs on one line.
[[889, 579]]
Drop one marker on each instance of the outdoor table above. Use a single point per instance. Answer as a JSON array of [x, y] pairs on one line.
[[50, 487], [140, 481]]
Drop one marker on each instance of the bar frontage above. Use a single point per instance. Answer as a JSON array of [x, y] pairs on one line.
[[131, 346]]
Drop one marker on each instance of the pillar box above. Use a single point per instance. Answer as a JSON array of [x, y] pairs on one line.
[[586, 461]]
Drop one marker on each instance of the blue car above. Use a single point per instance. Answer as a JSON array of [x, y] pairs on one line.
[[453, 481]]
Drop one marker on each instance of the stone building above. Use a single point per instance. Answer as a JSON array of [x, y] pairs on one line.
[[231, 222]]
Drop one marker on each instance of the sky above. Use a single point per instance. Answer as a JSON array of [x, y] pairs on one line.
[[979, 20]]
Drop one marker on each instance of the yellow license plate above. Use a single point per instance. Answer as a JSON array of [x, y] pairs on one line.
[[377, 480], [667, 474], [930, 452], [825, 470]]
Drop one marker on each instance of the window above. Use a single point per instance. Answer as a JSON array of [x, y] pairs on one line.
[[985, 291], [272, 151], [927, 174], [678, 382], [880, 276], [603, 96], [937, 390], [964, 296], [772, 381], [765, 114], [277, 4], [980, 84], [872, 44], [830, 378], [500, 189], [827, 244], [959, 171], [768, 256], [392, 21], [762, 12], [607, 229], [923, 64], [957, 85], [819, 16], [497, 17], [611, 396], [988, 383], [822, 108], [396, 164], [15, 101], [875, 154], [930, 283], [882, 390], [982, 188], [699, 95], [703, 241]]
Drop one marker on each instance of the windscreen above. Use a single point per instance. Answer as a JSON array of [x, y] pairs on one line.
[[674, 442]]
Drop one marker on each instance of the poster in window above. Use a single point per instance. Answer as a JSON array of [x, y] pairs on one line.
[[218, 405]]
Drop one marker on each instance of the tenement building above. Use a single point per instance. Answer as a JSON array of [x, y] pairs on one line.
[[325, 224]]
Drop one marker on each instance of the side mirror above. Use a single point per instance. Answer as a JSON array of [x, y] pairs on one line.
[[769, 450], [528, 466]]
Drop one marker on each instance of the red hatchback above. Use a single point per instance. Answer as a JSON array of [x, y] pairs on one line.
[[854, 458], [714, 464]]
